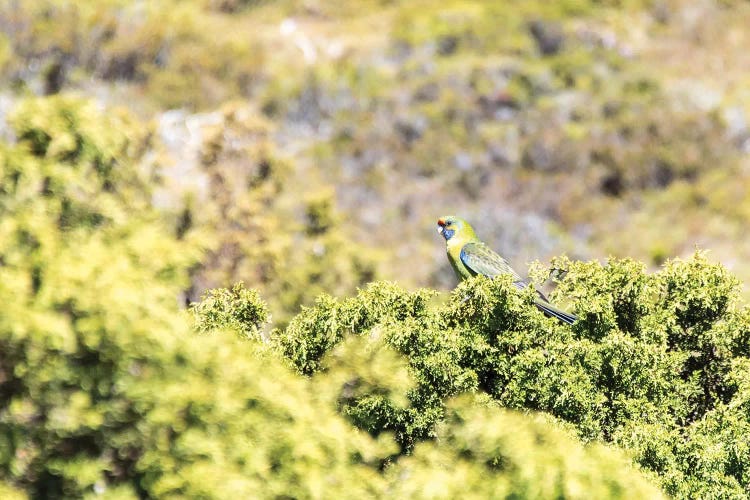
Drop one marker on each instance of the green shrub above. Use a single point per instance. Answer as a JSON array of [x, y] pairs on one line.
[[650, 366], [519, 456], [102, 387], [238, 309]]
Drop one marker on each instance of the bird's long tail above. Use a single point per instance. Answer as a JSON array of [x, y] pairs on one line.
[[549, 310]]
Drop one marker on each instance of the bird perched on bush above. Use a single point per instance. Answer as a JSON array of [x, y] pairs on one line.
[[470, 256]]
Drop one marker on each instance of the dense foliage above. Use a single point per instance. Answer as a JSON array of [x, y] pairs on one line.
[[657, 364]]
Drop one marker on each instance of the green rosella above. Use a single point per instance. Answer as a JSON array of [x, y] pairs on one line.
[[470, 256]]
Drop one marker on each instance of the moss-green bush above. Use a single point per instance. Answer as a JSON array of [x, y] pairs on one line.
[[103, 387], [238, 309], [519, 455], [654, 365]]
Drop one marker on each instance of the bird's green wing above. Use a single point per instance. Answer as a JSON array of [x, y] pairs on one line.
[[481, 259]]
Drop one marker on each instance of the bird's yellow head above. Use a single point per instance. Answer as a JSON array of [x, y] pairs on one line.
[[451, 226]]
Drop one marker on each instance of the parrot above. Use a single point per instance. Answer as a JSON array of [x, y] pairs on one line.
[[470, 256]]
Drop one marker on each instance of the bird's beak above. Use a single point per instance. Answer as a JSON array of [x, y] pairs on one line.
[[440, 230], [441, 226]]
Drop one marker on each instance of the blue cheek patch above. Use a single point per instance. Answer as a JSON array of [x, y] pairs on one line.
[[448, 233]]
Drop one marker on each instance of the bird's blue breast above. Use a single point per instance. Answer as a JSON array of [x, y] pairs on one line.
[[448, 233]]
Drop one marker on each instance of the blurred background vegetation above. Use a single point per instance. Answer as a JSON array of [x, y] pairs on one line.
[[310, 136], [153, 150]]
